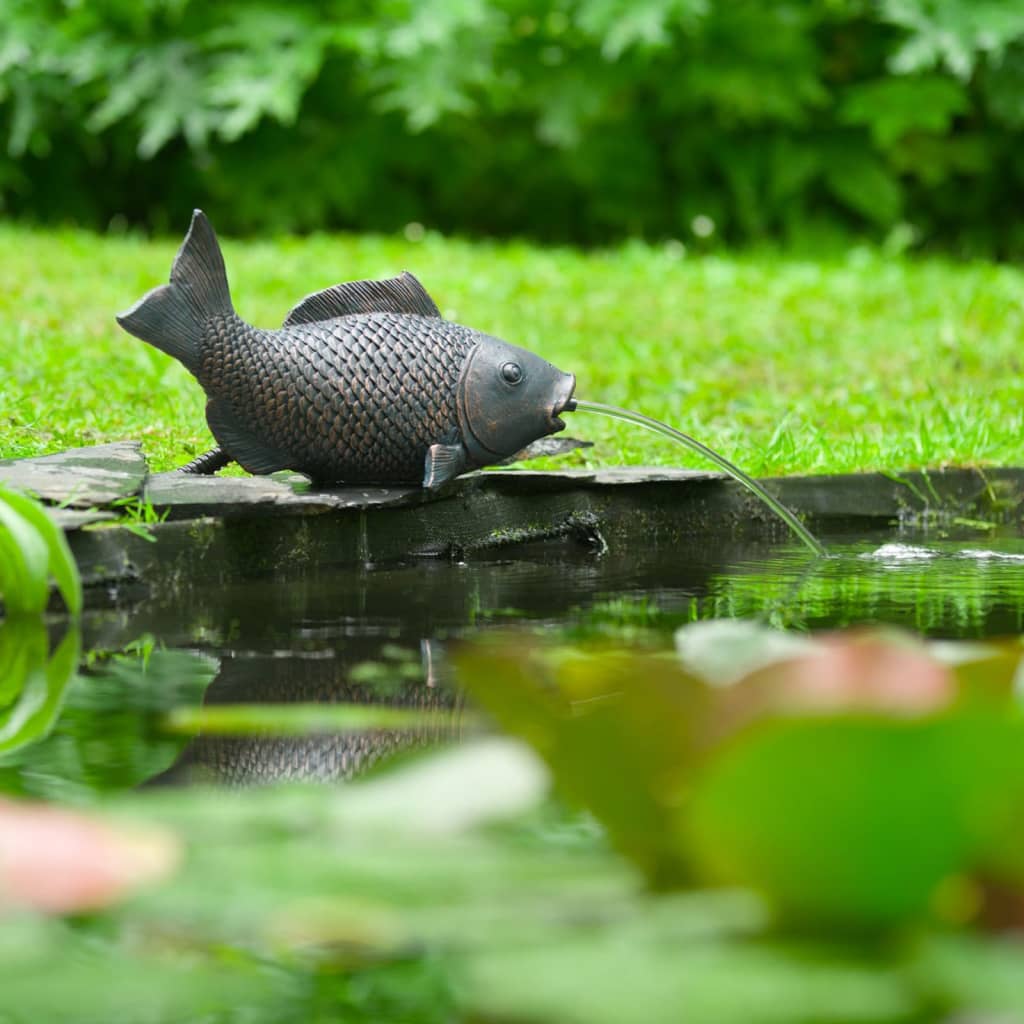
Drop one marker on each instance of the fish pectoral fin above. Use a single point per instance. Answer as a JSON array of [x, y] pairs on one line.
[[444, 462], [402, 294], [252, 454]]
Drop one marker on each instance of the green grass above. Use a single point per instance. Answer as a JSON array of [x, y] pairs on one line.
[[786, 365]]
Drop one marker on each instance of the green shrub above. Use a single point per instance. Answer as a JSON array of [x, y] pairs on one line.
[[583, 120]]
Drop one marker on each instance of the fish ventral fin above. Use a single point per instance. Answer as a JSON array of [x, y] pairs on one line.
[[444, 462], [402, 294], [240, 443]]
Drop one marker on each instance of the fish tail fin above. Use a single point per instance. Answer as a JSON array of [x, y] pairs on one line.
[[172, 317]]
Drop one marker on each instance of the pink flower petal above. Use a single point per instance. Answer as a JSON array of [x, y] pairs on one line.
[[60, 861]]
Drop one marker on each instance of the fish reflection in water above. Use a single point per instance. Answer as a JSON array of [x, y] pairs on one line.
[[319, 757]]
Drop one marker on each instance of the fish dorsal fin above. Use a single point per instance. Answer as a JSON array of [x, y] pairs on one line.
[[402, 294]]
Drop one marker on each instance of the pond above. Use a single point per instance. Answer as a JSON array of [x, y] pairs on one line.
[[382, 635], [823, 839]]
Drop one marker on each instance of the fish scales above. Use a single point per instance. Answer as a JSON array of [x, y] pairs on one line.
[[379, 389], [320, 757]]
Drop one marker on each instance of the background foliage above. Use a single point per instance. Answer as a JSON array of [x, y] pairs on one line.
[[582, 120]]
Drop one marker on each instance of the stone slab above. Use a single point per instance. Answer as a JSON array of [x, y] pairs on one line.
[[70, 519], [80, 477], [995, 494], [184, 496]]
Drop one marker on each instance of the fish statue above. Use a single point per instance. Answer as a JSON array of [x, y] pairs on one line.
[[365, 382]]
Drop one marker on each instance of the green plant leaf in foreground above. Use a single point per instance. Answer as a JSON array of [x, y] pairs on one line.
[[32, 684], [32, 548], [297, 904], [24, 560], [61, 563], [851, 783], [620, 732], [286, 889], [854, 820]]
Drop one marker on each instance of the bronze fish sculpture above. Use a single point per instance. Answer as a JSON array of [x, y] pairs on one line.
[[364, 383]]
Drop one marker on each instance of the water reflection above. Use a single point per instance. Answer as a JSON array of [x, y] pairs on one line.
[[356, 638], [33, 682], [361, 671], [107, 735]]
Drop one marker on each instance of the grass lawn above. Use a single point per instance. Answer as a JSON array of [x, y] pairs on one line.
[[786, 365]]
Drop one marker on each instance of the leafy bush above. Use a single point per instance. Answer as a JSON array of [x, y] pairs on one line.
[[583, 120]]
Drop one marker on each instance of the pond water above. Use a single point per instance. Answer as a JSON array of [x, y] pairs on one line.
[[382, 635]]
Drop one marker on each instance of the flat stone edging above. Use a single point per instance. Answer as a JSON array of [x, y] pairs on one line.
[[219, 527]]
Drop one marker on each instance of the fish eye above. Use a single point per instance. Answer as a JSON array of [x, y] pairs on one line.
[[512, 373]]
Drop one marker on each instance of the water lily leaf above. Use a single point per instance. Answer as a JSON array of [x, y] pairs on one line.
[[855, 819], [848, 783], [991, 672], [986, 975], [452, 791], [619, 731], [852, 781], [609, 978]]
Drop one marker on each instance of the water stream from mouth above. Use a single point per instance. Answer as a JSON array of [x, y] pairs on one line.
[[580, 405]]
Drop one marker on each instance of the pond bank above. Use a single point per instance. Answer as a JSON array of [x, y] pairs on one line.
[[216, 528]]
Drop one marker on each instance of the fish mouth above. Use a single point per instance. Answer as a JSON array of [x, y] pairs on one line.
[[563, 402]]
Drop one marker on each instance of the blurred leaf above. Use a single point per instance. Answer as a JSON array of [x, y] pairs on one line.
[[894, 107], [305, 719], [859, 179], [24, 561], [619, 978], [810, 814], [165, 88], [1003, 83], [401, 112], [954, 34], [848, 782], [53, 972], [984, 974], [249, 83], [619, 731], [61, 563], [621, 24], [281, 890], [452, 791], [987, 673], [32, 685]]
